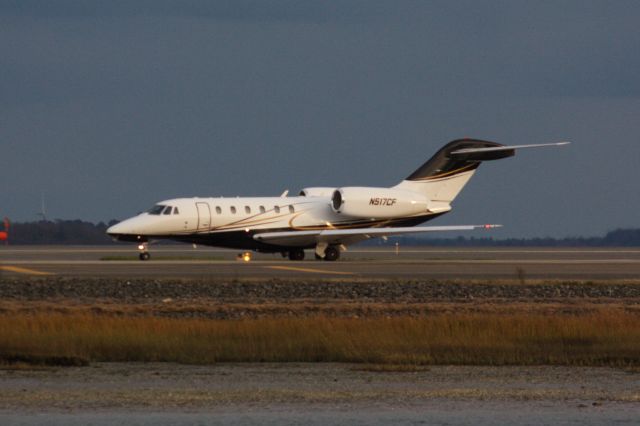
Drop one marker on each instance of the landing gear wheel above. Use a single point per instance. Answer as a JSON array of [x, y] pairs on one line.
[[296, 254], [331, 254], [144, 255]]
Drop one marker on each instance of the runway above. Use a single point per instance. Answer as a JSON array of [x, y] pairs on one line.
[[357, 263]]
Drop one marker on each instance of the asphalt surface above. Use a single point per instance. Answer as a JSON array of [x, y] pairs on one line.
[[366, 263]]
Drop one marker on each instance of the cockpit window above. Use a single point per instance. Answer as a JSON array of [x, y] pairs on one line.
[[175, 210], [168, 210], [157, 209]]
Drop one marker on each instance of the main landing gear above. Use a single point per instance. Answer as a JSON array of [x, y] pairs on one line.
[[331, 253], [296, 254], [144, 252]]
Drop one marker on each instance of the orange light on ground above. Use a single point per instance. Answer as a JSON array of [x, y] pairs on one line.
[[3, 236], [244, 257]]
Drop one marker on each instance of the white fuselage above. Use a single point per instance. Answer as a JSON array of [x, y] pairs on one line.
[[208, 220]]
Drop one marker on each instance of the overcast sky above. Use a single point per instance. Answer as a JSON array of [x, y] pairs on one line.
[[108, 107]]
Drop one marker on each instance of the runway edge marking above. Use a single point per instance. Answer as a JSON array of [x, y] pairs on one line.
[[23, 270], [317, 271]]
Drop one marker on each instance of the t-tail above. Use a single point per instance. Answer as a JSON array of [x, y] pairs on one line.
[[444, 175]]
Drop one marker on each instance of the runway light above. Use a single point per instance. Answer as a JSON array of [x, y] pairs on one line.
[[246, 257]]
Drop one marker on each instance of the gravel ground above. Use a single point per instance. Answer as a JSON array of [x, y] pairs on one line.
[[138, 290], [242, 299], [162, 386]]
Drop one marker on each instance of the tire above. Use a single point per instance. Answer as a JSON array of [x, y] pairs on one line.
[[296, 254], [144, 256], [331, 254]]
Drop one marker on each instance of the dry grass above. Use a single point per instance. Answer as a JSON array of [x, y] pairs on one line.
[[604, 337], [214, 309]]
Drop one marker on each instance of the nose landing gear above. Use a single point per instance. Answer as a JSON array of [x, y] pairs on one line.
[[144, 252]]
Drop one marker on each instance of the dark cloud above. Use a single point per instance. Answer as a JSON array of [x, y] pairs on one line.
[[233, 10], [153, 101]]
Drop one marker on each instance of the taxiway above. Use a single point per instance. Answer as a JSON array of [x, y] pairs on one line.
[[365, 263]]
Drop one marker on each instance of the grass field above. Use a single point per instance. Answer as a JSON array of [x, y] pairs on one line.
[[608, 337]]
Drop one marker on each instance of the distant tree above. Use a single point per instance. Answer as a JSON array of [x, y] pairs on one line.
[[59, 232], [622, 238]]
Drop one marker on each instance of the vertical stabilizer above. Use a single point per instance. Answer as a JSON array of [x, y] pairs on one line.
[[444, 175]]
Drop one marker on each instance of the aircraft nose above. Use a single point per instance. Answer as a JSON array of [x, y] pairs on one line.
[[127, 230], [120, 229], [115, 229]]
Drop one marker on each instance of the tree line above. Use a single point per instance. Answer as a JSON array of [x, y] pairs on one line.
[[615, 238], [82, 232], [59, 232]]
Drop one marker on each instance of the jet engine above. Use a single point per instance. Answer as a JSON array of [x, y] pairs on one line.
[[377, 203], [319, 191]]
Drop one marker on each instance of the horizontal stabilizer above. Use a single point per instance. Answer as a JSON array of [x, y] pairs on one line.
[[503, 148]]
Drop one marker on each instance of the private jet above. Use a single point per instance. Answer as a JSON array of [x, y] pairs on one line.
[[324, 219]]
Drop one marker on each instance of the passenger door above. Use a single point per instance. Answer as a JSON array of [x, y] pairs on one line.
[[204, 216]]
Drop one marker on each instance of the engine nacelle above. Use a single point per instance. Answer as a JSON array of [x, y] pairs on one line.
[[318, 191], [377, 203]]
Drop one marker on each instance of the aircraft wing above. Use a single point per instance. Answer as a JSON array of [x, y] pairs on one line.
[[350, 236]]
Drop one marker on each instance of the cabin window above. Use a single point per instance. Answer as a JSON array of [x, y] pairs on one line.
[[276, 209], [218, 210], [175, 210], [291, 209], [168, 210], [247, 209], [262, 210], [157, 209], [233, 210]]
